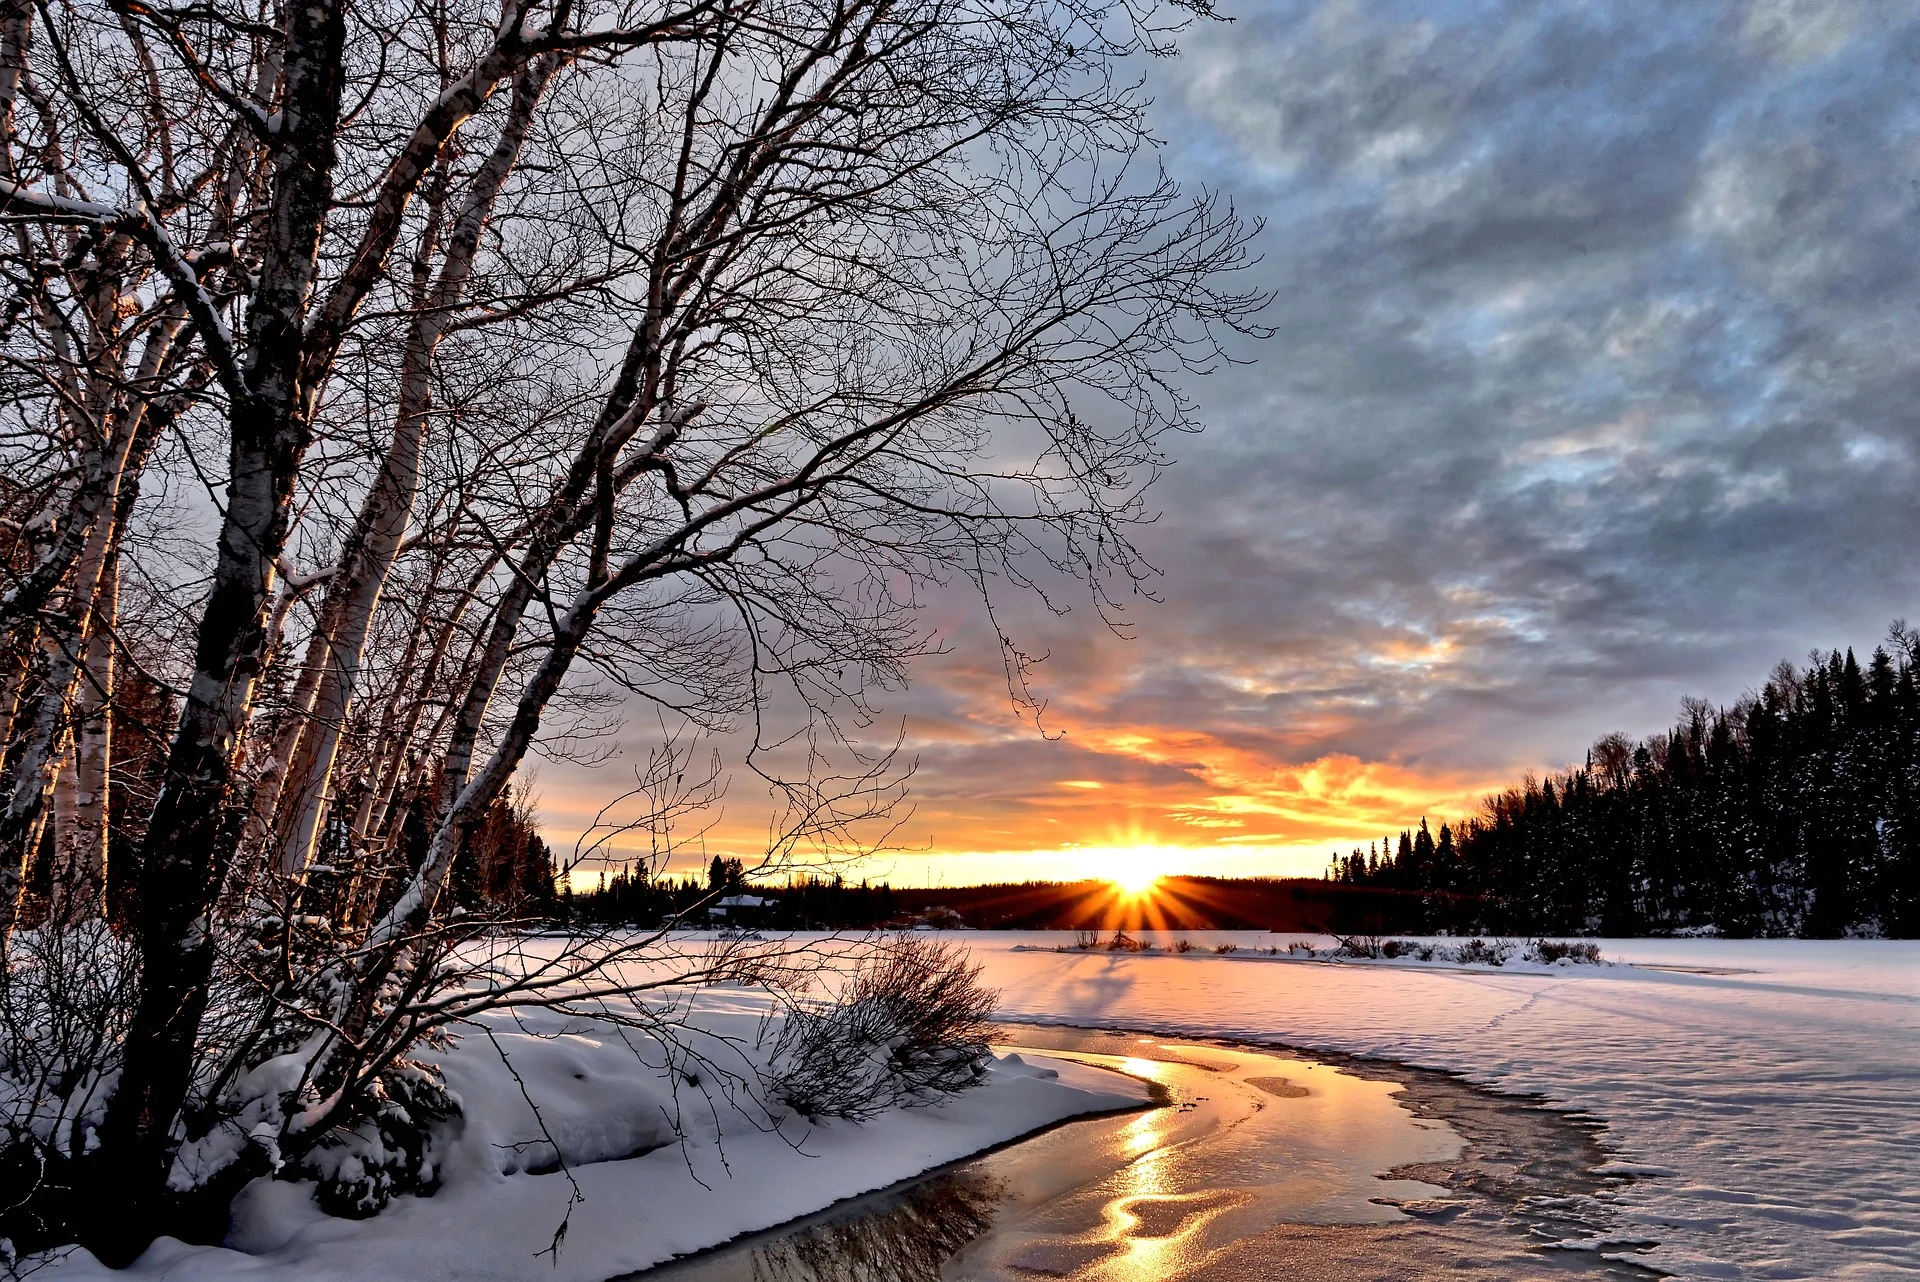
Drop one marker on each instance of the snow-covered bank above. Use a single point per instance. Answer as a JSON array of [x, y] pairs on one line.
[[629, 1195], [1765, 1089], [1764, 1092]]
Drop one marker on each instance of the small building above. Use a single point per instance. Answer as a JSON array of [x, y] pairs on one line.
[[742, 910]]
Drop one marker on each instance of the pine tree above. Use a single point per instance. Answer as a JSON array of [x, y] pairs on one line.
[[1794, 811]]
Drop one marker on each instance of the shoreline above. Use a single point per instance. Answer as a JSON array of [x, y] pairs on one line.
[[1507, 1198]]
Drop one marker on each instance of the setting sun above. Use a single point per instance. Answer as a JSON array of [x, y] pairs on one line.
[[1133, 870]]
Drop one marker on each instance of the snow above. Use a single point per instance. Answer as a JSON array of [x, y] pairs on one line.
[[1759, 1093], [610, 1104], [1762, 1092]]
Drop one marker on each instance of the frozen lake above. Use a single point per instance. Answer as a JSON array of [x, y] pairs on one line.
[[1254, 1165]]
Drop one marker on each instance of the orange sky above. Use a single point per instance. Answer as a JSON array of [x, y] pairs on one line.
[[1100, 792]]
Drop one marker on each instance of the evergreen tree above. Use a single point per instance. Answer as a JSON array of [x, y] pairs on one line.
[[1796, 811]]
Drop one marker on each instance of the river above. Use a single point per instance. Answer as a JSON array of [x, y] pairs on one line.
[[1257, 1164]]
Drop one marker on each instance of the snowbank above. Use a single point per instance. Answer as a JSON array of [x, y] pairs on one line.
[[1762, 1092], [630, 1194]]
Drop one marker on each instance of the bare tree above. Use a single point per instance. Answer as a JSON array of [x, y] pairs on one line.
[[657, 349]]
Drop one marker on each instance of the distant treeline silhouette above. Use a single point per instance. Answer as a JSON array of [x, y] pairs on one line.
[[637, 896], [1796, 811]]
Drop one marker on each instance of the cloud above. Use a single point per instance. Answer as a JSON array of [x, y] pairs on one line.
[[1593, 384]]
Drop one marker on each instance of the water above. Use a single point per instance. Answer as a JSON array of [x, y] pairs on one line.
[[1256, 1165]]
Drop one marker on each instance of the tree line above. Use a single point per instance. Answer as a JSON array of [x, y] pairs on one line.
[[634, 896], [1795, 811]]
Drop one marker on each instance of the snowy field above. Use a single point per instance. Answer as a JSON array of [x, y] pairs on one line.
[[1770, 1111], [1762, 1094]]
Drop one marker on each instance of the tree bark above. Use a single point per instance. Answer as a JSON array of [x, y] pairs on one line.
[[184, 856], [80, 847]]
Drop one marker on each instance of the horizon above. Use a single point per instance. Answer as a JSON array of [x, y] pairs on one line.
[[1583, 396]]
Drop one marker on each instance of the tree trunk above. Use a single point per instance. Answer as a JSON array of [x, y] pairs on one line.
[[192, 834], [131, 433], [80, 848], [64, 647], [383, 517]]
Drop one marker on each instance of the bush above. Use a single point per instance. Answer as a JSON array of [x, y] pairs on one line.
[[1481, 951], [1122, 942], [1223, 949], [1086, 940], [909, 1028], [390, 1151], [1550, 951], [1183, 945], [1299, 947]]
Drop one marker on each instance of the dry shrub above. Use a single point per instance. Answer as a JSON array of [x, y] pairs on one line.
[[909, 1028], [1550, 951], [1487, 952]]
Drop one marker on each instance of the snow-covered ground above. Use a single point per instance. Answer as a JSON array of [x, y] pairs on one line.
[[1765, 1090], [503, 1197]]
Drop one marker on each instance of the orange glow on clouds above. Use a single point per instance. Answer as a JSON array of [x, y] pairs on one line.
[[1225, 788], [1219, 811]]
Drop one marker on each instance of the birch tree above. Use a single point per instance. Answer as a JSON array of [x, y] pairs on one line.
[[663, 351]]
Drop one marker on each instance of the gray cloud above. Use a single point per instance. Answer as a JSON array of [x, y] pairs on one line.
[[1594, 354], [1593, 383]]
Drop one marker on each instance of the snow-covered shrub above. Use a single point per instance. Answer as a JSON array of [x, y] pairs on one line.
[[1122, 942], [1300, 948], [1369, 946], [64, 1012], [1484, 952], [389, 1151], [1223, 949], [1183, 945], [1549, 951], [909, 1027], [1086, 940]]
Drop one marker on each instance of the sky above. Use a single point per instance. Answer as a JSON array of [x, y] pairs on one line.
[[1593, 383]]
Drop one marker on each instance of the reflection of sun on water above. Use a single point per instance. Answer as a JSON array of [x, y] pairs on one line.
[[1153, 1228], [1145, 1133]]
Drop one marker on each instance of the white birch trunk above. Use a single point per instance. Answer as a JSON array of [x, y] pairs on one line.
[[363, 571], [80, 846]]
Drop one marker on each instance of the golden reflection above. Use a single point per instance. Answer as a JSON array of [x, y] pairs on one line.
[[1150, 1228], [1147, 1131]]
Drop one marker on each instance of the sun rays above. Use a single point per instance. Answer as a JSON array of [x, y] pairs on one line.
[[1132, 870]]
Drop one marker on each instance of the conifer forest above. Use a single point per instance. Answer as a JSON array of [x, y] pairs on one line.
[[1795, 811]]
